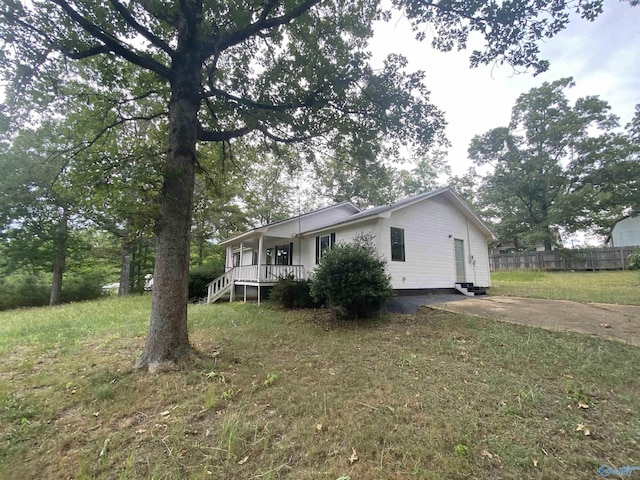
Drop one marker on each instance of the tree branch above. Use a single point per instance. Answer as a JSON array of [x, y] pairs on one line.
[[149, 5], [90, 52], [113, 44], [277, 138], [216, 92], [225, 136], [226, 40], [157, 41], [80, 147]]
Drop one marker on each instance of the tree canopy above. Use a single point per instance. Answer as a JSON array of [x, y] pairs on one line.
[[556, 165]]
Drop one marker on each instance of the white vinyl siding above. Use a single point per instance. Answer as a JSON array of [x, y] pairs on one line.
[[430, 229], [342, 235], [429, 252], [307, 223]]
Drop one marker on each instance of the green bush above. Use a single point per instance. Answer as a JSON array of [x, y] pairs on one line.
[[201, 276], [291, 293], [34, 290], [79, 288], [633, 260], [24, 290], [352, 278]]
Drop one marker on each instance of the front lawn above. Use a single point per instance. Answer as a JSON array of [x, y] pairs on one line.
[[273, 394]]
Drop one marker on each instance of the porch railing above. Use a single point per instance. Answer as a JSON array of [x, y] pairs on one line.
[[220, 286], [252, 273], [268, 273]]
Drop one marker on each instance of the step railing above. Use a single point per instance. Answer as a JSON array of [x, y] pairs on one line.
[[220, 286]]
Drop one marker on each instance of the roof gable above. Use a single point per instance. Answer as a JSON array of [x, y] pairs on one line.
[[386, 210], [310, 220], [346, 213]]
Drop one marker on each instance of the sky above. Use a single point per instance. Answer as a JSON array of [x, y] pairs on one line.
[[603, 57]]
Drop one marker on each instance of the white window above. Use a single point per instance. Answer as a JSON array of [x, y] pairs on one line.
[[324, 243]]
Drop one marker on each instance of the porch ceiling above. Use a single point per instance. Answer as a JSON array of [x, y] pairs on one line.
[[254, 241]]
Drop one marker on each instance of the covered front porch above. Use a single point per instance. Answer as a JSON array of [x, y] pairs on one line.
[[256, 260], [251, 276]]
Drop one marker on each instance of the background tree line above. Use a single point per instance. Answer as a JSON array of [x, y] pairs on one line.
[[80, 203], [81, 200], [557, 167]]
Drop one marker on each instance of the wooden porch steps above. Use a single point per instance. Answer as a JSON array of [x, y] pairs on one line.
[[219, 287], [469, 289]]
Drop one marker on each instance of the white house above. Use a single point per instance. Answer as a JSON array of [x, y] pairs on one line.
[[430, 241], [625, 232]]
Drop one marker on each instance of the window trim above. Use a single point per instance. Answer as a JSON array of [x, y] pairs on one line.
[[322, 252], [288, 256], [397, 247]]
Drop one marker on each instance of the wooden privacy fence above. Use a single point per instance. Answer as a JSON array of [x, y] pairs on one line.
[[605, 258]]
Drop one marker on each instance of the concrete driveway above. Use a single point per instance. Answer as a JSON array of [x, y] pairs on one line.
[[619, 322], [411, 303]]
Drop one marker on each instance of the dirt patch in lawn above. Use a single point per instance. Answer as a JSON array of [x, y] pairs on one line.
[[619, 322]]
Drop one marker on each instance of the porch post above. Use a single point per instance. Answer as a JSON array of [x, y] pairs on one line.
[[233, 287], [241, 253], [260, 245], [228, 265]]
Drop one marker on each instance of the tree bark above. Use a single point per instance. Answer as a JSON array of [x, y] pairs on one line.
[[60, 243], [167, 340], [125, 265]]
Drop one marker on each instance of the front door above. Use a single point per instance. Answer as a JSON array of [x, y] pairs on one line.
[[459, 251]]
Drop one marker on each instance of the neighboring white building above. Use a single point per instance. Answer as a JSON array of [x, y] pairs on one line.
[[430, 241], [625, 232]]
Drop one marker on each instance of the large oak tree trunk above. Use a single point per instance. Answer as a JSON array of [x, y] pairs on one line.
[[167, 339]]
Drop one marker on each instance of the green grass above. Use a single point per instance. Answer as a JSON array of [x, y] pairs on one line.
[[621, 287], [273, 394], [65, 325]]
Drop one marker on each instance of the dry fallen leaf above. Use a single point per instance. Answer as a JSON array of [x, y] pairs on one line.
[[319, 427], [486, 453], [354, 456], [165, 413], [606, 325], [583, 429], [244, 460], [535, 463], [583, 405]]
